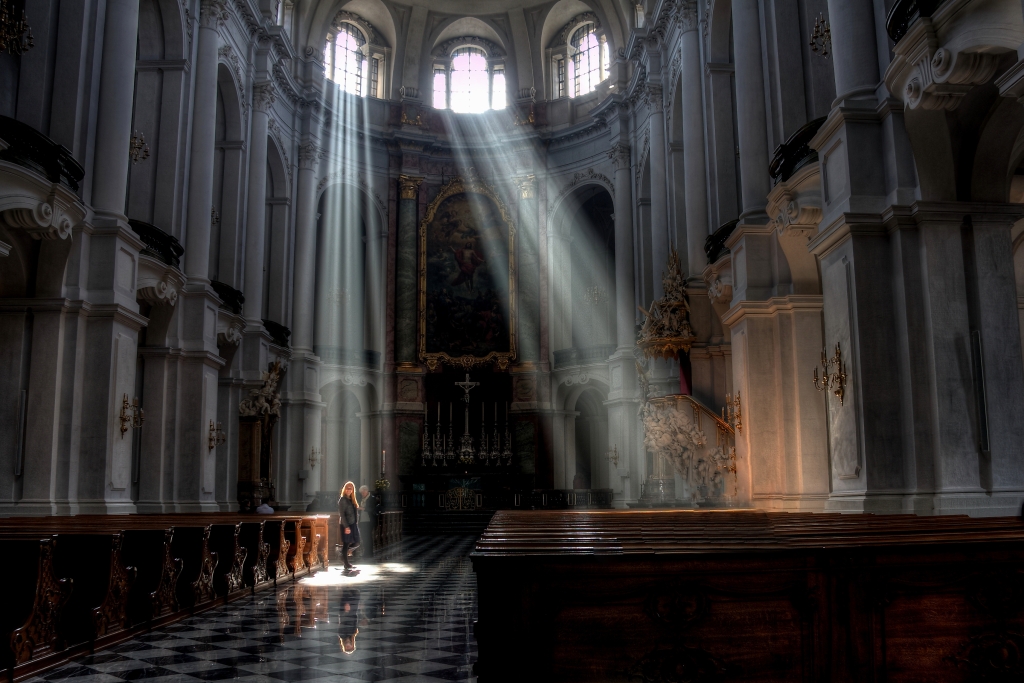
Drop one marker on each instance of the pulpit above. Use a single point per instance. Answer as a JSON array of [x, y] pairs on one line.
[[257, 416]]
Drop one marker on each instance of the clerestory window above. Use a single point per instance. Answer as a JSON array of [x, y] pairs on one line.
[[589, 62], [344, 59], [470, 83]]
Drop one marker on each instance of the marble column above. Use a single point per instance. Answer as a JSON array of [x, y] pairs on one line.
[[660, 245], [303, 402], [625, 301], [694, 169], [105, 358], [529, 271], [305, 248], [854, 50], [114, 115], [406, 287], [262, 100], [212, 14], [751, 123]]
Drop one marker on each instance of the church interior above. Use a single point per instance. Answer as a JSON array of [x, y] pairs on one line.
[[660, 340]]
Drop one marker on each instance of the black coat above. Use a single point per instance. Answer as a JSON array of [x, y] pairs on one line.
[[347, 515]]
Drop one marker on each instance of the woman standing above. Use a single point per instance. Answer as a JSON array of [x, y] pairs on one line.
[[348, 516]]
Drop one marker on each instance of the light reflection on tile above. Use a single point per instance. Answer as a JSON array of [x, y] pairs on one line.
[[411, 615]]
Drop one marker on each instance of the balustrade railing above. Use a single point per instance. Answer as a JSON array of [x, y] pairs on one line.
[[795, 153], [29, 148], [158, 243], [232, 298], [472, 499], [904, 13], [714, 245]]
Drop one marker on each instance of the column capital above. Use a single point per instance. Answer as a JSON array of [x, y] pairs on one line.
[[653, 98], [408, 186], [619, 154], [687, 16], [309, 155], [263, 96], [212, 13], [527, 185]]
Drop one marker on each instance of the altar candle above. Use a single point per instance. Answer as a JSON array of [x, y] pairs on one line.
[[383, 461]]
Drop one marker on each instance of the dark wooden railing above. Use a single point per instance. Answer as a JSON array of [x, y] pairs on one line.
[[27, 147], [232, 298], [906, 12], [795, 153], [158, 243], [714, 245], [278, 332]]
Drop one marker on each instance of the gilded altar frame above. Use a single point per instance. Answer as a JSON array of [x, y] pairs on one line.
[[500, 358]]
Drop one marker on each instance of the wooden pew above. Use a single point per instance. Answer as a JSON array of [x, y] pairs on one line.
[[277, 559], [224, 540], [34, 601], [747, 595], [195, 585], [255, 572], [134, 572]]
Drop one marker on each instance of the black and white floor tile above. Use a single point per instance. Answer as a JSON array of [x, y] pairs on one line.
[[405, 618]]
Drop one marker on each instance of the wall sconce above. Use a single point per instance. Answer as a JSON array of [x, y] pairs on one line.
[[613, 455], [836, 380], [315, 456], [15, 34], [216, 436], [138, 150], [132, 416], [731, 413], [821, 36]]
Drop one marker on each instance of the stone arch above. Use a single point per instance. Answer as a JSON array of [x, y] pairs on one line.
[[466, 28], [372, 13], [721, 95], [350, 431], [277, 234], [162, 85], [226, 249], [590, 439], [349, 278], [582, 264]]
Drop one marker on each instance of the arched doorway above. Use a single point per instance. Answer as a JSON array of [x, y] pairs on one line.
[[591, 440]]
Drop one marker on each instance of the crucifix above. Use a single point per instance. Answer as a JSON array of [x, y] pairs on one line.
[[466, 447]]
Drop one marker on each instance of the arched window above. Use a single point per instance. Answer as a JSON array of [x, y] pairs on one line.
[[587, 66], [470, 82], [344, 59]]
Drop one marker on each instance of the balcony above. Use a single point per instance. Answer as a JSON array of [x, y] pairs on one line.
[[795, 153], [590, 355], [29, 148]]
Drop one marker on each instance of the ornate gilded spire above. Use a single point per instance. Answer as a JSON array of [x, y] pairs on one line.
[[666, 330]]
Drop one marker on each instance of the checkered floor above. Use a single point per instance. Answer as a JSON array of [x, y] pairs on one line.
[[411, 615]]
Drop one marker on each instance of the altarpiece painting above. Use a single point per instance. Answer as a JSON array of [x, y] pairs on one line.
[[467, 302]]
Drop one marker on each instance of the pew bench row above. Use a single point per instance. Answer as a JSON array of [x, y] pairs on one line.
[[76, 584]]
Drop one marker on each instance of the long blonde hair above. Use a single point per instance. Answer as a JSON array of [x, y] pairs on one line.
[[341, 493]]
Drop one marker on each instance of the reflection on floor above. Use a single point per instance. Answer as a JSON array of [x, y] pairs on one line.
[[408, 617]]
